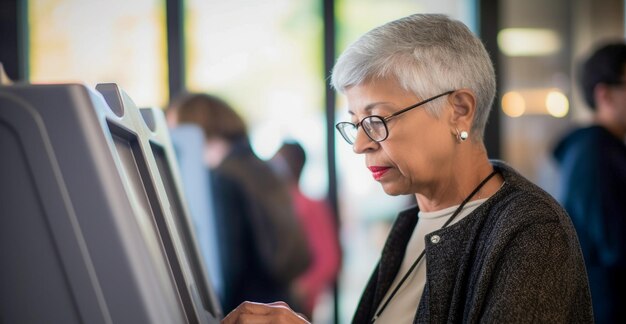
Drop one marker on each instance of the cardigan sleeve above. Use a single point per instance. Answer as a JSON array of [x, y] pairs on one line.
[[538, 277]]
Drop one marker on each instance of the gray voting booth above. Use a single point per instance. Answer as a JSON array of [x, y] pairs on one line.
[[188, 142], [93, 225]]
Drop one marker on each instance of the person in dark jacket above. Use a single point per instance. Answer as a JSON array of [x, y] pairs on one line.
[[483, 244], [262, 244], [592, 163]]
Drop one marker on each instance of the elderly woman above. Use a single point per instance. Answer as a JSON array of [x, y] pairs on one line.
[[483, 243]]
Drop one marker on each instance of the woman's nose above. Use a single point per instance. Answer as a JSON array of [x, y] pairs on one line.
[[363, 143]]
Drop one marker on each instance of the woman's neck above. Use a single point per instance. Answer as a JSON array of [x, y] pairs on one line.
[[459, 181]]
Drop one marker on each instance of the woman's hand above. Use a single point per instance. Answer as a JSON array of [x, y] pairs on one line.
[[278, 312]]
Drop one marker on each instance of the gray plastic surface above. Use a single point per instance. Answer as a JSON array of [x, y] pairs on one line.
[[188, 142], [80, 202]]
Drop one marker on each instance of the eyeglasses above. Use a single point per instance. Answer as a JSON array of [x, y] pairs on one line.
[[375, 127]]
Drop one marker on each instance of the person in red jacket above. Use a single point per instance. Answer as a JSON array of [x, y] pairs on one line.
[[318, 223]]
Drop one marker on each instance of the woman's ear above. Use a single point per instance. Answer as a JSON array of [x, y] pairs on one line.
[[463, 102]]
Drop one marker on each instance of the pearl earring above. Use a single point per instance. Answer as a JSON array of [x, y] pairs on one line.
[[461, 135]]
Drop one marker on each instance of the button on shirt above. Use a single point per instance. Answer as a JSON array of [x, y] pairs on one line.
[[403, 305]]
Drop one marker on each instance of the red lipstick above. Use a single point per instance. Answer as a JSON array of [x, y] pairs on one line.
[[378, 171]]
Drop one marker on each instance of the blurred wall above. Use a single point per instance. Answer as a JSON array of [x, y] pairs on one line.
[[578, 25]]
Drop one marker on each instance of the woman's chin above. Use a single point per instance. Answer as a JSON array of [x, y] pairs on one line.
[[393, 190]]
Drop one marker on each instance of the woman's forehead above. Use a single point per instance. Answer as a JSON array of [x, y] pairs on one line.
[[365, 97]]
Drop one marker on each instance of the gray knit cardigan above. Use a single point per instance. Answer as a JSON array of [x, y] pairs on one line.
[[515, 259]]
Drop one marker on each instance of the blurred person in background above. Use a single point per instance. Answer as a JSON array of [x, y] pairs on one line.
[[592, 163], [319, 224], [483, 244], [262, 245]]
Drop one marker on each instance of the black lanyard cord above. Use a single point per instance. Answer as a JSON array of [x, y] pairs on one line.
[[456, 212]]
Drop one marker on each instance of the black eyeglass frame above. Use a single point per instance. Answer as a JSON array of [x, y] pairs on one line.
[[341, 125]]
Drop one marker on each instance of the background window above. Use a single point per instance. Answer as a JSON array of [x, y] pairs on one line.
[[101, 41], [265, 58]]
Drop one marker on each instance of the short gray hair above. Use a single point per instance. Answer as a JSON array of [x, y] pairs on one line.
[[427, 54]]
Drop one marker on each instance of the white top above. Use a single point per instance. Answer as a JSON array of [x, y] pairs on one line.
[[403, 305]]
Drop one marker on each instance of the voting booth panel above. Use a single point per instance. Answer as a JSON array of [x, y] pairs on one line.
[[188, 143], [93, 227], [164, 171]]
